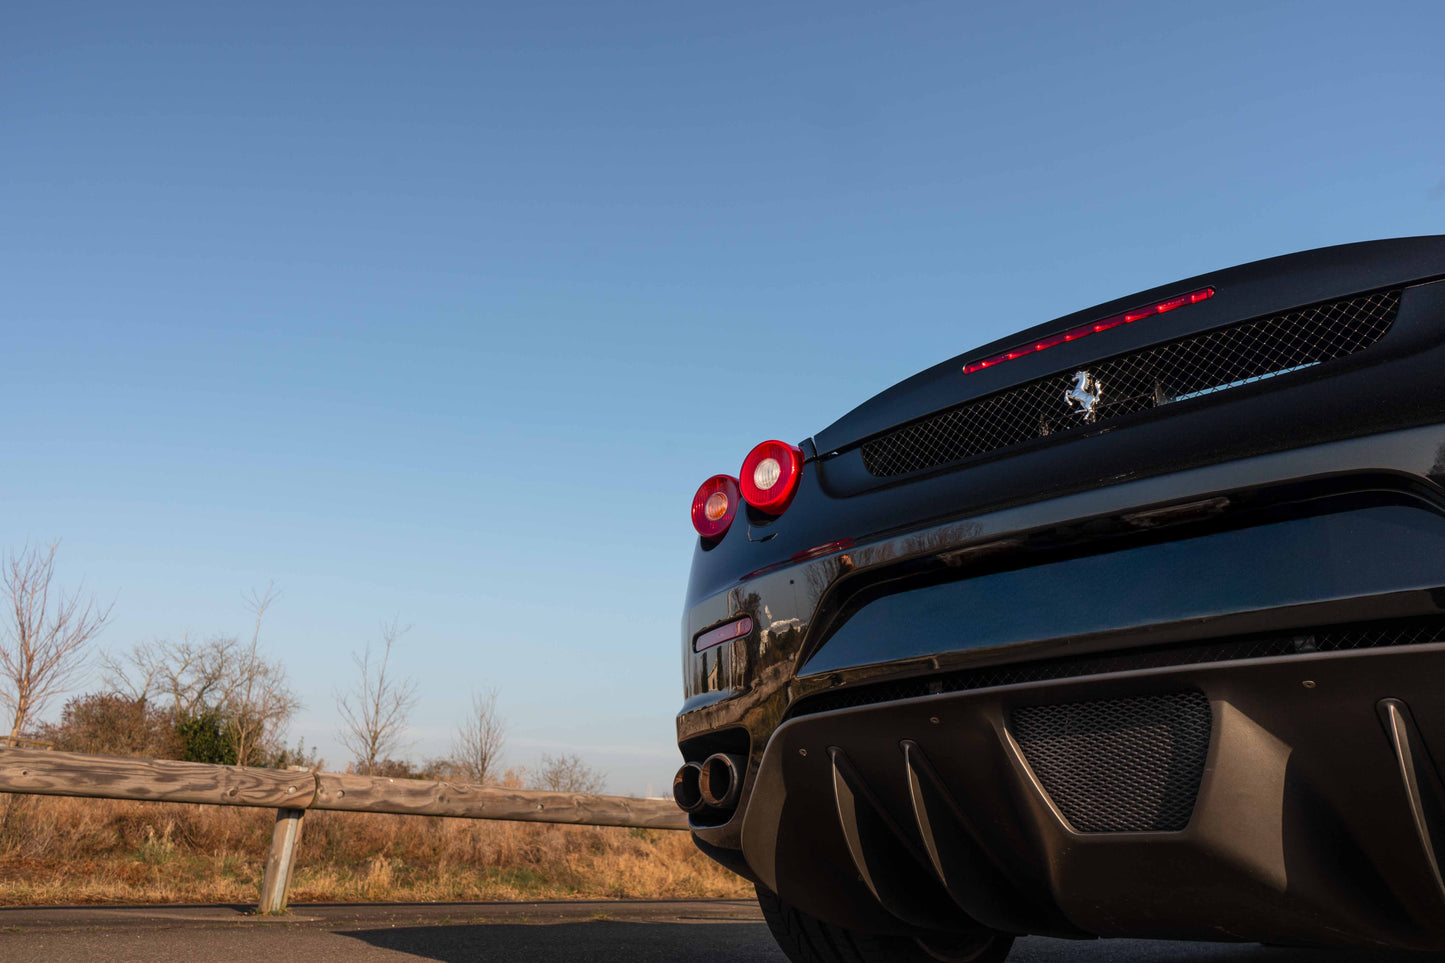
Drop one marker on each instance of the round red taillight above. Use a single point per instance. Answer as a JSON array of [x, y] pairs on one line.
[[714, 505], [770, 476]]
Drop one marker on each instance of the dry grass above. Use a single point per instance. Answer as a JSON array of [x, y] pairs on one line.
[[55, 850]]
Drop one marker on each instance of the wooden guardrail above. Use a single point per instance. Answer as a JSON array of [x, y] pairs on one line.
[[292, 792]]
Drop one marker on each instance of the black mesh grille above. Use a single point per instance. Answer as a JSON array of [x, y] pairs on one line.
[[1176, 371], [1119, 765], [1333, 639]]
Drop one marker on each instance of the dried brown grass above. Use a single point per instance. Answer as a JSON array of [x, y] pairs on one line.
[[55, 850]]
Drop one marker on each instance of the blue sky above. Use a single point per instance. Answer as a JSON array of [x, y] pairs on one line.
[[442, 311]]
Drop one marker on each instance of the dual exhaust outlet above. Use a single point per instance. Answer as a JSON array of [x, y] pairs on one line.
[[714, 783]]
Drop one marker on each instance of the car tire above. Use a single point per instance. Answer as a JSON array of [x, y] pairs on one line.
[[806, 939]]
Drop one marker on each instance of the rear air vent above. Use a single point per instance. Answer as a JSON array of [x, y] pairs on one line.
[[1119, 765], [1200, 364]]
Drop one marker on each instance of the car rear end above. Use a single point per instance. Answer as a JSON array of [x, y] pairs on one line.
[[1130, 624]]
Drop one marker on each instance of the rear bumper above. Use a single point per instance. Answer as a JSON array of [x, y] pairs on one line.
[[1316, 815]]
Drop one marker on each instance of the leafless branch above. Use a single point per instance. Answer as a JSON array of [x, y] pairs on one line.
[[46, 637], [477, 745], [191, 676], [262, 703], [568, 773], [374, 710]]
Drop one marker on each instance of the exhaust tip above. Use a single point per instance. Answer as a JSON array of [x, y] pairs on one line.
[[721, 779], [687, 788]]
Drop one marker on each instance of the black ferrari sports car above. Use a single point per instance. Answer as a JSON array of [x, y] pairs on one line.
[[1130, 624]]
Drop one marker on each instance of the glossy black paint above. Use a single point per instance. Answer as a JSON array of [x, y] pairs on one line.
[[1348, 551], [1310, 499], [1351, 397], [1247, 291]]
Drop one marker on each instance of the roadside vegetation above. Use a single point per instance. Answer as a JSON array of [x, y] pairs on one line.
[[220, 698], [56, 850]]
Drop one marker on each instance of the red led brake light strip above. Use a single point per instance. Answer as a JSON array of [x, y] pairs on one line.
[[1084, 330]]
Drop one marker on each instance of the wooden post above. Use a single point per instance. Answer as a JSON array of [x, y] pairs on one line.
[[285, 838]]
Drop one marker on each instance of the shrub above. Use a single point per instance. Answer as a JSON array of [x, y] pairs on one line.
[[205, 737], [112, 724]]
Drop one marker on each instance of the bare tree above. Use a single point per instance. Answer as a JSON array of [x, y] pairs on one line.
[[375, 709], [477, 745], [190, 677], [46, 637], [568, 773], [261, 703]]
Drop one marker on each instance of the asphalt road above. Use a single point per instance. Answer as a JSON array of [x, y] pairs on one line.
[[712, 931]]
